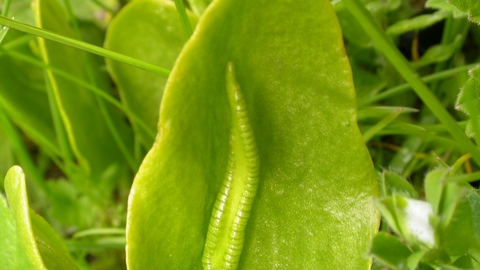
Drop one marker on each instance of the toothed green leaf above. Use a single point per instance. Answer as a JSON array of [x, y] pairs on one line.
[[469, 8], [469, 102]]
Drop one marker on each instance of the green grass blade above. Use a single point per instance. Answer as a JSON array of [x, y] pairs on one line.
[[21, 151], [382, 111], [408, 129], [406, 87], [83, 46], [113, 242], [64, 145], [368, 135], [6, 7], [99, 231], [119, 140], [182, 13], [452, 28], [365, 19], [464, 178], [467, 103], [3, 33]]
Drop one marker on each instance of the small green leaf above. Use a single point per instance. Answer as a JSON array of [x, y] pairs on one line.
[[15, 188], [139, 31], [445, 5], [439, 53], [69, 207], [41, 244], [434, 182], [457, 231], [53, 250], [414, 260], [468, 100], [417, 22], [437, 256], [393, 183], [452, 195], [474, 199], [393, 214], [390, 251], [471, 8], [382, 111], [409, 218], [464, 262]]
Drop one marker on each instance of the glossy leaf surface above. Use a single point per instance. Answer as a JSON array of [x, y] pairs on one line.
[[148, 30], [90, 138], [314, 207], [41, 244]]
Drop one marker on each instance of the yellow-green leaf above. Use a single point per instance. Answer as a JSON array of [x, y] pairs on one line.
[[41, 244], [11, 253], [28, 104], [89, 136], [314, 208], [148, 30]]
